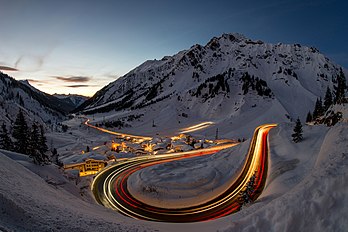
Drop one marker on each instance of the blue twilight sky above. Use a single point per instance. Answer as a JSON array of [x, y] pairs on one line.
[[78, 46]]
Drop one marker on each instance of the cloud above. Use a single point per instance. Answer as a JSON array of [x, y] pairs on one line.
[[30, 62], [78, 86], [73, 78], [18, 61], [36, 81], [6, 68], [111, 76]]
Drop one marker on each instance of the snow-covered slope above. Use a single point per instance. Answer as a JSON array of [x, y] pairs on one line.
[[228, 78], [36, 105], [306, 191], [190, 181], [38, 198]]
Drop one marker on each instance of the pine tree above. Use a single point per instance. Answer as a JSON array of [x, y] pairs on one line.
[[34, 144], [309, 117], [327, 99], [340, 88], [37, 145], [5, 140], [43, 145], [297, 135], [20, 134], [42, 141], [318, 110], [247, 193]]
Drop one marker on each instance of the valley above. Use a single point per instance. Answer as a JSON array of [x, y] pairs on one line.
[[237, 134]]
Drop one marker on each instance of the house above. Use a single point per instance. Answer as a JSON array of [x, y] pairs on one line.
[[89, 167]]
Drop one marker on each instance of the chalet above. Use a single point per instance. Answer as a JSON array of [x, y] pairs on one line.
[[89, 167]]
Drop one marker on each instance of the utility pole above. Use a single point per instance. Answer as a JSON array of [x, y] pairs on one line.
[[217, 134]]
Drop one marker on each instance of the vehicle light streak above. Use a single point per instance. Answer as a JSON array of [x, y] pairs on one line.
[[116, 133], [110, 185], [197, 127]]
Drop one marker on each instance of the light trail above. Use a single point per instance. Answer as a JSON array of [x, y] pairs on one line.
[[110, 185], [197, 127], [123, 135]]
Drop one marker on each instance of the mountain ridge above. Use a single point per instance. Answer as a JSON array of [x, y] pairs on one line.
[[37, 106], [224, 79]]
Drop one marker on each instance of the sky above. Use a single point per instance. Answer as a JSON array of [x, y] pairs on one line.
[[79, 46]]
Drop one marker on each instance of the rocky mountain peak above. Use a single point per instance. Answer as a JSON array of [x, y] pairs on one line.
[[227, 77]]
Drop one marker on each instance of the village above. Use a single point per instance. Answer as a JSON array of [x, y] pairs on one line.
[[158, 145], [125, 147]]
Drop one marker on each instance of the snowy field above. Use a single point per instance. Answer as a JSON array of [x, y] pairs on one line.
[[188, 182], [306, 189]]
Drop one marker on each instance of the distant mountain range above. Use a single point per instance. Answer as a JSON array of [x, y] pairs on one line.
[[74, 100], [232, 79]]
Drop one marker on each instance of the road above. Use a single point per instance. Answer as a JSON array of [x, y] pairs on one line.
[[110, 185], [197, 127], [123, 135]]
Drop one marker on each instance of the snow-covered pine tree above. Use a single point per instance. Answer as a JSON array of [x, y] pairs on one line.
[[34, 144], [297, 135], [43, 142], [318, 110], [340, 88], [328, 101], [37, 145], [246, 194], [5, 140], [20, 134]]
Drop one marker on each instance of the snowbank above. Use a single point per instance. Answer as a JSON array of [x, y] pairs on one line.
[[30, 203], [317, 201]]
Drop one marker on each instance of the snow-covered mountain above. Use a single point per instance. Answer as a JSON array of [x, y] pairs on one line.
[[231, 79], [74, 100], [233, 82], [36, 105]]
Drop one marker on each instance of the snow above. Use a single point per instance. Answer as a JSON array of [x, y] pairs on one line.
[[275, 64], [29, 202], [78, 136], [74, 99], [306, 189], [182, 184], [307, 184], [190, 181]]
